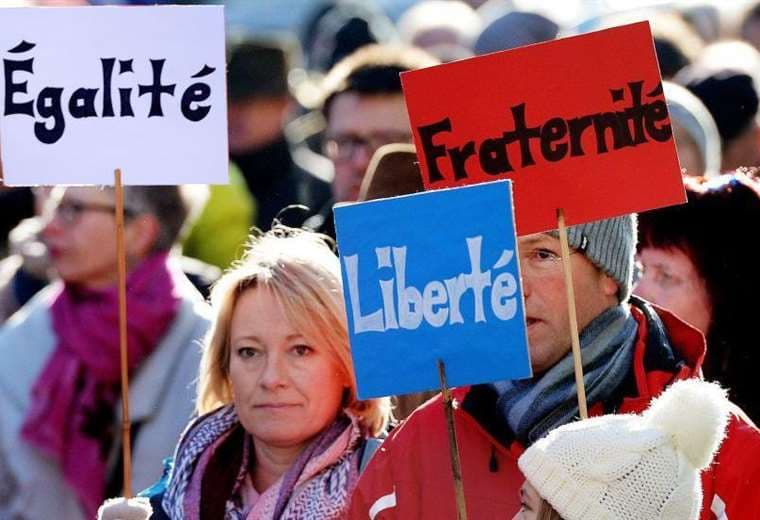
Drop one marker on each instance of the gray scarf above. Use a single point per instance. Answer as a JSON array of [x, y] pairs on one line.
[[533, 407]]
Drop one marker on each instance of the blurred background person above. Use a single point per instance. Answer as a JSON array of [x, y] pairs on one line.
[[698, 261], [364, 109], [750, 25], [25, 269], [330, 31], [694, 131], [515, 29], [447, 29], [676, 43], [728, 87], [280, 432], [60, 448], [335, 29], [276, 172], [17, 204], [216, 236]]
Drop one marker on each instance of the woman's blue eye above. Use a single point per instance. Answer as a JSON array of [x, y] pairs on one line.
[[302, 350]]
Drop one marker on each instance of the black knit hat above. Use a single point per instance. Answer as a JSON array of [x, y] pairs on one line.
[[729, 95], [257, 68]]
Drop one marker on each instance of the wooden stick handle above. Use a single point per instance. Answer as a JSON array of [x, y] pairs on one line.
[[122, 281], [577, 360], [456, 465]]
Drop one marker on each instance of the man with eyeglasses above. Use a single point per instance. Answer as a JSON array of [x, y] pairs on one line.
[[364, 109], [631, 352]]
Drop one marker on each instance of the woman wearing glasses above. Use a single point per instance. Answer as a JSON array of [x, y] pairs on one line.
[[60, 440]]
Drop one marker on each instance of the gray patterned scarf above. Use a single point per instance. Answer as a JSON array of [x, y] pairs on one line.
[[533, 407]]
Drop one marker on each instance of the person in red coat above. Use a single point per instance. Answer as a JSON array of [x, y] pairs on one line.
[[632, 351]]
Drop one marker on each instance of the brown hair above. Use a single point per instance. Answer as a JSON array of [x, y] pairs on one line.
[[372, 70]]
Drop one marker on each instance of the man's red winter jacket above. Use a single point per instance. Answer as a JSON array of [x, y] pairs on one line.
[[410, 475]]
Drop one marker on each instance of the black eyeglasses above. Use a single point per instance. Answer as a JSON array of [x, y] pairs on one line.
[[69, 211], [343, 147]]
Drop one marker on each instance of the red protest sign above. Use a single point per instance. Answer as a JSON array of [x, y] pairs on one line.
[[578, 123]]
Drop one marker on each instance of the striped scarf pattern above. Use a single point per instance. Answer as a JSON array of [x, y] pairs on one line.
[[533, 407]]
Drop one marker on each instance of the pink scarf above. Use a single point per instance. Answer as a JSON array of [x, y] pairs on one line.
[[74, 397]]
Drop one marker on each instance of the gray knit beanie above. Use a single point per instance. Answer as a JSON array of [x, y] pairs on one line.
[[610, 245]]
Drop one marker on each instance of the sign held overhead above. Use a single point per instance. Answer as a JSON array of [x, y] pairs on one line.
[[578, 123], [437, 278], [87, 90]]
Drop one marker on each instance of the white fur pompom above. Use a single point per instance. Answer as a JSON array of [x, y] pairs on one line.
[[125, 509], [695, 414]]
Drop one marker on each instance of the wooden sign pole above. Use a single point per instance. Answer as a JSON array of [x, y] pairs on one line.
[[122, 282], [579, 384], [456, 465]]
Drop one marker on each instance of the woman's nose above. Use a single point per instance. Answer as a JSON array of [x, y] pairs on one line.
[[275, 373]]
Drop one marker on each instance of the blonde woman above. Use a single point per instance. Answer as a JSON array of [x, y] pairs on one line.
[[280, 432]]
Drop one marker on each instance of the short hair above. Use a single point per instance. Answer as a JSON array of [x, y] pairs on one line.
[[303, 274], [717, 230], [372, 70], [173, 206]]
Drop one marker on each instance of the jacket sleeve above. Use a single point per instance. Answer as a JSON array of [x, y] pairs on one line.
[[375, 494], [737, 474]]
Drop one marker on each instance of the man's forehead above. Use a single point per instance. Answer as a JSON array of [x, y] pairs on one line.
[[537, 239], [85, 194]]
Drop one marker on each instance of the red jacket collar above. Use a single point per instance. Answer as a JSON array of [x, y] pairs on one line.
[[686, 340]]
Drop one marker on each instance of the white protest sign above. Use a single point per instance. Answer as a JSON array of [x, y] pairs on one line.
[[87, 90]]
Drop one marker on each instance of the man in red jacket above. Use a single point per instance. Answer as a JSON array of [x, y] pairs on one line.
[[631, 352]]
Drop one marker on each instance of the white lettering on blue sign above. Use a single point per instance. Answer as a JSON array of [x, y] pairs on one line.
[[439, 301]]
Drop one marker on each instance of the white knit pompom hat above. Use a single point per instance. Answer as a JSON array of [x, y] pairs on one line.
[[125, 509], [633, 466]]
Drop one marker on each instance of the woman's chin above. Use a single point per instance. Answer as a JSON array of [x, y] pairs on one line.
[[281, 439]]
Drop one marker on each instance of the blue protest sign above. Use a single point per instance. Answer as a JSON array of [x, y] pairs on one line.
[[432, 276]]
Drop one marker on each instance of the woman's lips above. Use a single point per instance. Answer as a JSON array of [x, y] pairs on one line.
[[275, 406]]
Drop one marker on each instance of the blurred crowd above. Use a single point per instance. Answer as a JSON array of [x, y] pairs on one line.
[[316, 116]]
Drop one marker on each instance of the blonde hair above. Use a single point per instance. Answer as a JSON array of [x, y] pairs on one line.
[[303, 274], [546, 511]]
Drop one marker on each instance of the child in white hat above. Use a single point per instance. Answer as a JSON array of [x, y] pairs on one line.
[[625, 467]]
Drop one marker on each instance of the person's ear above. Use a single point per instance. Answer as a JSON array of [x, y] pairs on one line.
[[141, 233], [609, 285]]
